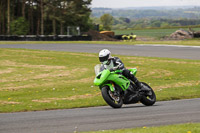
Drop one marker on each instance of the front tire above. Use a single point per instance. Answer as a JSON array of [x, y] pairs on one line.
[[110, 98], [148, 100]]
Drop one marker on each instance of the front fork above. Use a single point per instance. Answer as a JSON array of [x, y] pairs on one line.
[[116, 92], [111, 86]]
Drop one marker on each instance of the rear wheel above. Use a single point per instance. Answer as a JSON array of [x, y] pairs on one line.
[[149, 98], [111, 98]]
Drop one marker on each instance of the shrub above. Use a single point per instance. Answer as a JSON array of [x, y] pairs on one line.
[[19, 26]]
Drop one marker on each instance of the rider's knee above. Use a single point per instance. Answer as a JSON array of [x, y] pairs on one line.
[[126, 73]]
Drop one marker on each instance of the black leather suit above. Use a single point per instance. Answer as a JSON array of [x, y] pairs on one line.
[[115, 63]]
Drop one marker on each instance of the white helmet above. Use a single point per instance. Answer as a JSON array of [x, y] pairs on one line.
[[104, 56]]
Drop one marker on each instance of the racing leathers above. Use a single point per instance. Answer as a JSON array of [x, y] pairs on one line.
[[115, 63]]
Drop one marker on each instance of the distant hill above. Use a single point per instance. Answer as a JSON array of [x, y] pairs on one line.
[[170, 12], [159, 8]]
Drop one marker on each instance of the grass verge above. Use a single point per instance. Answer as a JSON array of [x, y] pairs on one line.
[[43, 80], [194, 42], [181, 128]]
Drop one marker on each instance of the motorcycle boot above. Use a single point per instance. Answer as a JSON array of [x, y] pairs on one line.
[[135, 80], [141, 87]]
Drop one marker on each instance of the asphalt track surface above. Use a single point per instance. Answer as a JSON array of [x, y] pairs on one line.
[[170, 51], [101, 118]]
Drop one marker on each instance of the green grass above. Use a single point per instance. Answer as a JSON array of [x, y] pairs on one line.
[[181, 128], [193, 42], [157, 33], [43, 80]]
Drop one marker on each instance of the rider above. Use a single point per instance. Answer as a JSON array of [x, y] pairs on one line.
[[114, 63]]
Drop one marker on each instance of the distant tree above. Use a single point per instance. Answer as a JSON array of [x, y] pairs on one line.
[[23, 7], [45, 16], [107, 21], [119, 26], [138, 26], [164, 24], [175, 24], [8, 17], [126, 20], [19, 26], [156, 24], [2, 16], [42, 16]]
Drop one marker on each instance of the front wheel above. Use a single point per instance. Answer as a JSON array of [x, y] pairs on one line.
[[150, 98], [110, 98]]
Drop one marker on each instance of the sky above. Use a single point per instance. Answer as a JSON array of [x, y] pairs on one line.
[[142, 3]]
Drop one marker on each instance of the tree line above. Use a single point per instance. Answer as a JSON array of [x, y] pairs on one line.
[[108, 22], [145, 18], [190, 13], [43, 17], [125, 23]]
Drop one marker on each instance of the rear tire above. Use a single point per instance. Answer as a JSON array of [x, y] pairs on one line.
[[113, 101], [146, 99]]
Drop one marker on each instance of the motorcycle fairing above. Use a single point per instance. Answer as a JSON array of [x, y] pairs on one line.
[[101, 77], [120, 80], [133, 70]]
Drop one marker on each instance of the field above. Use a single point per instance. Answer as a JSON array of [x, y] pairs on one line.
[[194, 42], [43, 80], [156, 33], [182, 128]]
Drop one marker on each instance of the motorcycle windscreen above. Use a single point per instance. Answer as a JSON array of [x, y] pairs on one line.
[[97, 69]]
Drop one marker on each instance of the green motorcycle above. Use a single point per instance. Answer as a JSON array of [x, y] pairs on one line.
[[117, 90]]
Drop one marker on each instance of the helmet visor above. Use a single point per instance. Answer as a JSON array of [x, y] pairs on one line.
[[102, 59]]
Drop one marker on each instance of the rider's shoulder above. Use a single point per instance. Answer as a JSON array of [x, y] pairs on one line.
[[115, 58]]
